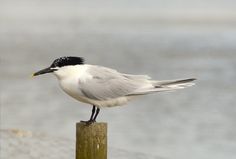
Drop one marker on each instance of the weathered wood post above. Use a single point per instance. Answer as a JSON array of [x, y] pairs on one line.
[[91, 141]]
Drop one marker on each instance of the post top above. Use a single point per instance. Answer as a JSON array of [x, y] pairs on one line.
[[92, 124]]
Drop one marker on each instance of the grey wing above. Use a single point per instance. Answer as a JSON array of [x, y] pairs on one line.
[[137, 77], [107, 84]]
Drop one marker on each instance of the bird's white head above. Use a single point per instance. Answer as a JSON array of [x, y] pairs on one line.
[[62, 66]]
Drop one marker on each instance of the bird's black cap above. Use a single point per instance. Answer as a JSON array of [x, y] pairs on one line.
[[60, 62], [66, 61]]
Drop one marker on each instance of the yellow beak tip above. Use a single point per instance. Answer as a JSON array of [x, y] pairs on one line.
[[32, 75]]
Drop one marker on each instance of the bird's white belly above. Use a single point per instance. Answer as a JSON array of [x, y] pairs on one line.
[[70, 86]]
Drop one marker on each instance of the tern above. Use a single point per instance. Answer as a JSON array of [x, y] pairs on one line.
[[105, 87]]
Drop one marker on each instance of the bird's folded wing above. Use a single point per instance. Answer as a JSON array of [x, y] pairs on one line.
[[104, 89], [108, 83]]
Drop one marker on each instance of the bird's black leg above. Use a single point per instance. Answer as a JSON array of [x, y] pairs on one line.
[[91, 117], [97, 112], [93, 111]]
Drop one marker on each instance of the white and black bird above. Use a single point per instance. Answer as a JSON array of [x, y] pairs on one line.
[[105, 87]]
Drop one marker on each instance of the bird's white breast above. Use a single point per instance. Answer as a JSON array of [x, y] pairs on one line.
[[69, 77]]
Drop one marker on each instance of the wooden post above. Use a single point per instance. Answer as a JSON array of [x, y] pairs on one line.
[[91, 141]]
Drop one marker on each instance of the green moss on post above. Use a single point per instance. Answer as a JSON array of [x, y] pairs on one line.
[[91, 141]]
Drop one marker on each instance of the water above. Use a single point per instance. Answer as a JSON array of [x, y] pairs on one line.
[[198, 122]]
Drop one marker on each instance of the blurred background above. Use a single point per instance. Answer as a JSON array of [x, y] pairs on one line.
[[165, 39]]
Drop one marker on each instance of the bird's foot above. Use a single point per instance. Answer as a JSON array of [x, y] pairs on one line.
[[88, 122]]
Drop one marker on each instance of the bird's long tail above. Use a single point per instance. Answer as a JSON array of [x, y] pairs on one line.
[[166, 85]]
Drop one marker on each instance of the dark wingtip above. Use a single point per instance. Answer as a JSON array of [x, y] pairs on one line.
[[180, 81], [192, 79], [188, 80]]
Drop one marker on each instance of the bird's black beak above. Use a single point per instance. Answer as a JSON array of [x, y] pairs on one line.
[[43, 71]]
